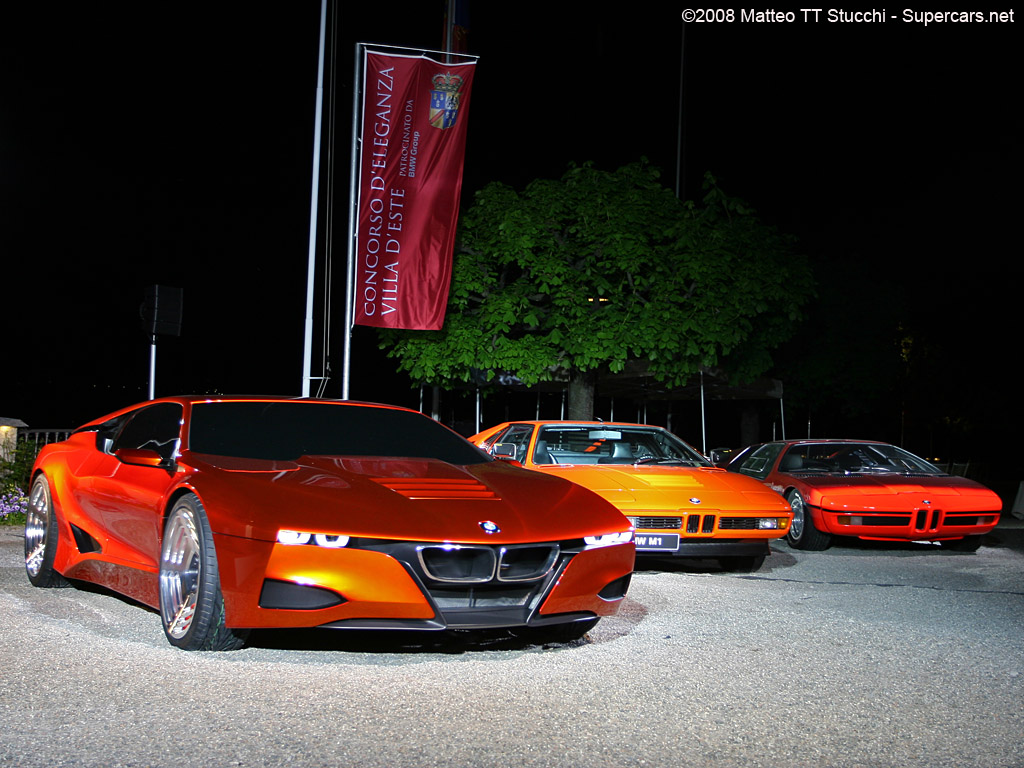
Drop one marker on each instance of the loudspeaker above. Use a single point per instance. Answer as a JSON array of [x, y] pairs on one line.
[[161, 310]]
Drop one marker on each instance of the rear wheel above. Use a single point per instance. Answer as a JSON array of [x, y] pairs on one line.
[[41, 537], [802, 533], [191, 604]]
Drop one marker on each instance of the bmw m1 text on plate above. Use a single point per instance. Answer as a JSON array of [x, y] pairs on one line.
[[229, 514]]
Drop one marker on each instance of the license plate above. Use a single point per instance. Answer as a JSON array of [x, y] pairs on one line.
[[667, 542]]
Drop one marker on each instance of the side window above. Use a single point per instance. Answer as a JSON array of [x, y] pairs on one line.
[[107, 431], [760, 461], [155, 427]]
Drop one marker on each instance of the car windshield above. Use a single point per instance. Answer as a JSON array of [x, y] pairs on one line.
[[613, 444], [288, 430], [848, 458]]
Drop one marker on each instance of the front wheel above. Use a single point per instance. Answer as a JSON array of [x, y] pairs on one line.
[[191, 604], [802, 533], [41, 537]]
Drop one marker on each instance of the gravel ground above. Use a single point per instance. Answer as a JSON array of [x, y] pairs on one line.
[[863, 655]]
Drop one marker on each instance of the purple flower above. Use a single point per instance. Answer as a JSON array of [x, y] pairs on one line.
[[12, 502]]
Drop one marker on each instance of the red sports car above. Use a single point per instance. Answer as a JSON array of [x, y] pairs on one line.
[[869, 490], [227, 514]]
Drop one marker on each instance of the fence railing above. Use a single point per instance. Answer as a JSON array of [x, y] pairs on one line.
[[40, 437]]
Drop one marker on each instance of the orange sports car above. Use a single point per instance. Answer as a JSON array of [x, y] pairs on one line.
[[677, 501], [869, 490], [227, 514]]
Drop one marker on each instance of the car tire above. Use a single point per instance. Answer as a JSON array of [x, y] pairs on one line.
[[742, 564], [966, 544], [191, 603], [802, 533], [41, 536]]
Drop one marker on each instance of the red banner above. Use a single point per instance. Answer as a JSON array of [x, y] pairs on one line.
[[410, 176]]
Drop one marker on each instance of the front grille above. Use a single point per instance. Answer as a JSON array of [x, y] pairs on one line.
[[527, 562], [927, 519], [658, 523], [453, 563], [963, 520], [894, 521], [700, 523], [482, 597], [739, 523]]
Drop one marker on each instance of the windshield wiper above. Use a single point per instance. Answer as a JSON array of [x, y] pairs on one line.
[[663, 460]]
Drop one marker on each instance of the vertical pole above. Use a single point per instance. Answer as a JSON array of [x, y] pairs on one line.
[[703, 418], [353, 203], [680, 127], [307, 341], [152, 366]]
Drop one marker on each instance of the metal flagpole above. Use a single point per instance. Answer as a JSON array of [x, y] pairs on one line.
[[353, 204], [703, 418], [307, 342]]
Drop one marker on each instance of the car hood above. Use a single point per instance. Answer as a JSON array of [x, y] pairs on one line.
[[653, 487], [416, 499], [889, 489]]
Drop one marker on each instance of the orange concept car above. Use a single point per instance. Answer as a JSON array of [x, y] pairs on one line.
[[869, 490], [677, 501], [229, 514]]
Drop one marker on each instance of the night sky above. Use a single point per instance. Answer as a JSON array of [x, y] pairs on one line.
[[171, 144]]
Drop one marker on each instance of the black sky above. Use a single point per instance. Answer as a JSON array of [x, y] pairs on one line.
[[171, 144]]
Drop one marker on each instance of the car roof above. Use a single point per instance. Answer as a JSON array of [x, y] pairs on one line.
[[195, 399], [825, 441], [572, 423]]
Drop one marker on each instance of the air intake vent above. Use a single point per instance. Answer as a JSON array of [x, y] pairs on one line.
[[436, 488]]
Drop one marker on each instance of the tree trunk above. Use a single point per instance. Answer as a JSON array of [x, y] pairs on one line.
[[750, 426], [582, 386]]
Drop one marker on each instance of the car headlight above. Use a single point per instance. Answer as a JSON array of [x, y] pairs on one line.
[[331, 540], [328, 540], [772, 523], [607, 539]]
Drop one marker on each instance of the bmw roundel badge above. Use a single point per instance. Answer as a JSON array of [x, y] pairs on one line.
[[489, 527], [694, 500]]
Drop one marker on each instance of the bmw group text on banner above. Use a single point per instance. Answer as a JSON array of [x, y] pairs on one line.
[[410, 177]]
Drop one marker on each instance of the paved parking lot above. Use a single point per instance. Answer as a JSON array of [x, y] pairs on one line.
[[862, 655]]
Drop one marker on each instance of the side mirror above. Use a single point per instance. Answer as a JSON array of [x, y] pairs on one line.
[[504, 451], [141, 457]]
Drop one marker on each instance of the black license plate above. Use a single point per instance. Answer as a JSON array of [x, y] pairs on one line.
[[664, 542]]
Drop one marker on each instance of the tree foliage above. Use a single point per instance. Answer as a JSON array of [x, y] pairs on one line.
[[596, 269]]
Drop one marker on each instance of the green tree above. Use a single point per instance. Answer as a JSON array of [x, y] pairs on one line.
[[581, 275]]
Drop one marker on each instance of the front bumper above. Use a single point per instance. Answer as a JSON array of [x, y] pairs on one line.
[[374, 583], [921, 524], [706, 534]]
